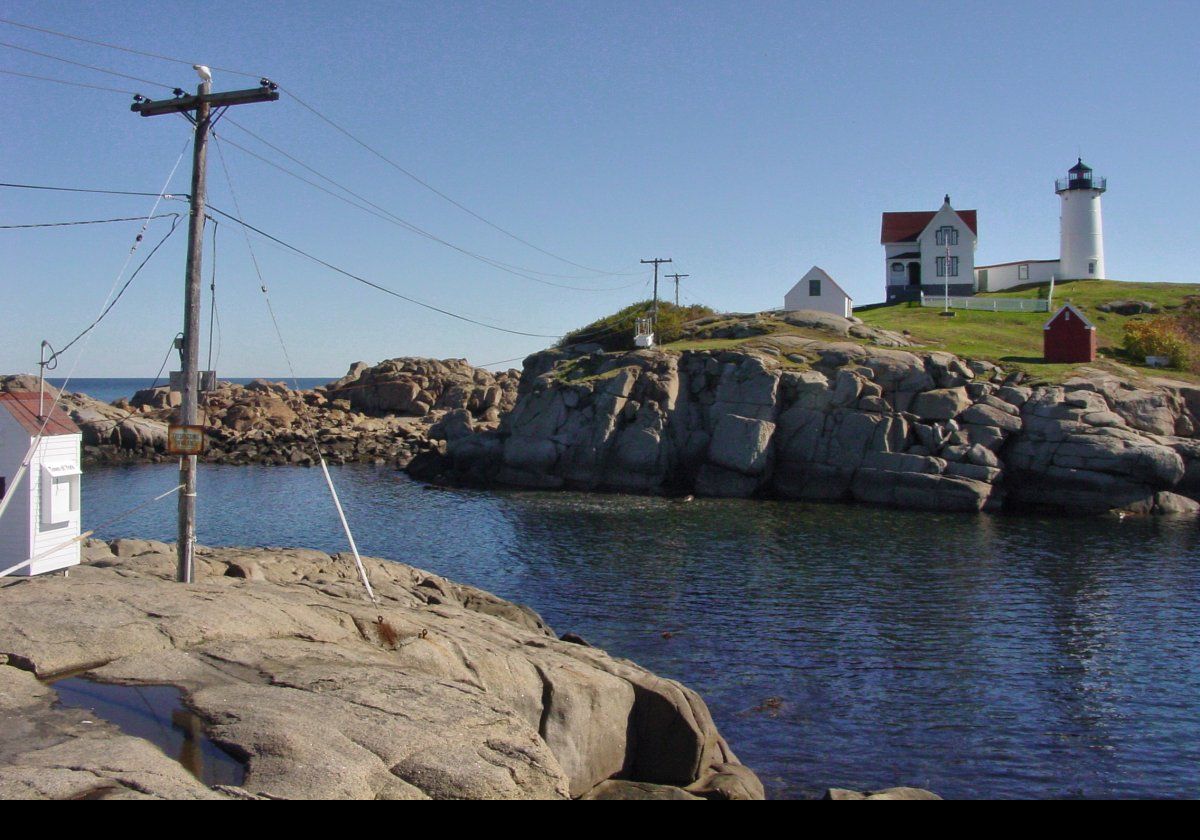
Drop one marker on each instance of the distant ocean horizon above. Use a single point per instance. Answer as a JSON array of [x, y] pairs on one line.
[[111, 389]]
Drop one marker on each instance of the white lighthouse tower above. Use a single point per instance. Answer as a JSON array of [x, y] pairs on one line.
[[1081, 254]]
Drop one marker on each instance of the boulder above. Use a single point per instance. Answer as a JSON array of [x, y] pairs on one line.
[[940, 403]]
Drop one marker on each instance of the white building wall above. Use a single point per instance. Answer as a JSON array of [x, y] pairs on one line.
[[832, 298], [1001, 277], [56, 449], [930, 250], [15, 530], [1081, 235], [22, 535]]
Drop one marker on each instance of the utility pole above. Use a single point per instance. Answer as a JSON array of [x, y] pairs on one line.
[[656, 261], [203, 104], [676, 278]]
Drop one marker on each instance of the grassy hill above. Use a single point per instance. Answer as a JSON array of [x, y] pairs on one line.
[[1014, 339]]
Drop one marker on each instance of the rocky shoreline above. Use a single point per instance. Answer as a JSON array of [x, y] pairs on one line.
[[440, 691], [381, 414], [798, 417], [828, 409]]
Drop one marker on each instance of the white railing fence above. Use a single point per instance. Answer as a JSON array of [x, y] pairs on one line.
[[983, 304]]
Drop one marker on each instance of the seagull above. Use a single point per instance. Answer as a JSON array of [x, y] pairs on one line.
[[203, 72]]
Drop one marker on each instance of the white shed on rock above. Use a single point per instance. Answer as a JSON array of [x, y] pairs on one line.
[[43, 517], [818, 291]]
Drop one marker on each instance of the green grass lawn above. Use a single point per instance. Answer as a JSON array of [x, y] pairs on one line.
[[1014, 339]]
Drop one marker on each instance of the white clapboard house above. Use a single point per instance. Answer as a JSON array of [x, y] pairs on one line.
[[817, 290], [43, 516]]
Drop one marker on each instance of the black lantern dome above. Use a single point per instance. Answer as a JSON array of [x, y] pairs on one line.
[[1079, 177]]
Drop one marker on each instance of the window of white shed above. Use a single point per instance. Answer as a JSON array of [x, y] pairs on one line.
[[814, 288], [60, 493], [897, 266]]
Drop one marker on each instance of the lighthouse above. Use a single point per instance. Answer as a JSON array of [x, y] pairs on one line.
[[1081, 254]]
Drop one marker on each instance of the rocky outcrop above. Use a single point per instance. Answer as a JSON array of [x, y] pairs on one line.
[[383, 414], [416, 387], [440, 691], [837, 421]]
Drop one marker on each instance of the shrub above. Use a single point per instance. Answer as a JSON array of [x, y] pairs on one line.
[[615, 332], [1162, 336]]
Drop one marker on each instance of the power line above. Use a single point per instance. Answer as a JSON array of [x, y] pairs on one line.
[[94, 192], [65, 82], [370, 283], [87, 66], [387, 216], [174, 224], [329, 121], [439, 193], [88, 222], [123, 49], [346, 189]]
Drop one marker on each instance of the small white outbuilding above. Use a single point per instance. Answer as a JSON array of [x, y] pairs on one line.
[[43, 517], [817, 290]]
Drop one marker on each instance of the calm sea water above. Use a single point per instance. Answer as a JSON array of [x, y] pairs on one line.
[[973, 655], [109, 390]]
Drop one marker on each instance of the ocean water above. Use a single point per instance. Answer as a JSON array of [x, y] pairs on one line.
[[837, 646], [110, 390]]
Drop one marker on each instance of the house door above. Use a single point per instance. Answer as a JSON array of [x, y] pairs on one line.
[[914, 274]]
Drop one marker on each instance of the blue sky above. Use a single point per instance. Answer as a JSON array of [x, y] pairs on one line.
[[748, 141]]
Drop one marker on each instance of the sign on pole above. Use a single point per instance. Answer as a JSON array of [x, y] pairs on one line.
[[185, 440]]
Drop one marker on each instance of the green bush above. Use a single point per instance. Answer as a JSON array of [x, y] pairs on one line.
[[615, 332]]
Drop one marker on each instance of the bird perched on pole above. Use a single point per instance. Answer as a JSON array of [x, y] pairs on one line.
[[203, 72]]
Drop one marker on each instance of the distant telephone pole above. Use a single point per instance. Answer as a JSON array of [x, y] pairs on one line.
[[656, 261], [676, 278], [202, 104]]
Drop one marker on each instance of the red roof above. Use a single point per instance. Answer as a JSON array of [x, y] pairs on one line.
[[906, 227], [23, 406]]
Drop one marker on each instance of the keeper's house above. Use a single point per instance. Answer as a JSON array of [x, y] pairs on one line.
[[928, 251], [43, 516]]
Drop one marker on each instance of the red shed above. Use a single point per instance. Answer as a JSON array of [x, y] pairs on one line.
[[1069, 337]]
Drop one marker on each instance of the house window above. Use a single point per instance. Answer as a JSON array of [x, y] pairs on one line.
[[814, 288], [1022, 272], [941, 266], [947, 235], [897, 266], [1091, 268]]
